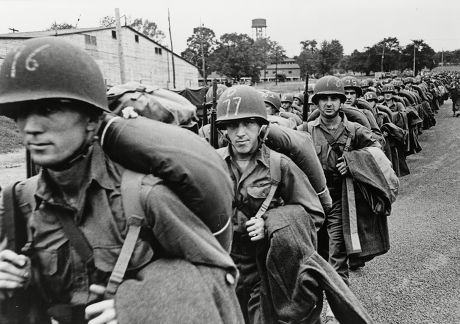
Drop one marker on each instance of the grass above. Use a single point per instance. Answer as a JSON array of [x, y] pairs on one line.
[[10, 139], [284, 87]]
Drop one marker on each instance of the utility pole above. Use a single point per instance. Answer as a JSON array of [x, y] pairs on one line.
[[383, 55], [203, 60], [121, 59], [414, 60], [276, 67], [172, 53], [442, 57]]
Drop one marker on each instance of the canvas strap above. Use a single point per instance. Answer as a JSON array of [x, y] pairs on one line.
[[275, 174], [355, 243], [130, 192]]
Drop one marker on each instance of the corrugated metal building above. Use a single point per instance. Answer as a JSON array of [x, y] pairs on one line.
[[145, 60]]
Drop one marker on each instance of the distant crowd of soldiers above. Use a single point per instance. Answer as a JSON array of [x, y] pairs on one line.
[[132, 220]]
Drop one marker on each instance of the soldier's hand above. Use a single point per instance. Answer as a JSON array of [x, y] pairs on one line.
[[102, 312], [15, 271], [342, 166], [256, 228]]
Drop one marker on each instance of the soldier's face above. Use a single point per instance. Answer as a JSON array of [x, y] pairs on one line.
[[329, 106], [53, 133], [270, 109], [296, 102], [244, 136], [286, 105], [388, 95], [351, 96]]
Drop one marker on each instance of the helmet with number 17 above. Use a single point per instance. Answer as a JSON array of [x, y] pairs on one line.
[[240, 102]]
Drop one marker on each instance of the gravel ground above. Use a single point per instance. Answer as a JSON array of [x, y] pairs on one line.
[[418, 280]]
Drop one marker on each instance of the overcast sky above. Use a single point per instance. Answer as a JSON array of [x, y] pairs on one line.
[[355, 23]]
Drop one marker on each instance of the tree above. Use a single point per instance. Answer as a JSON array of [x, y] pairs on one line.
[[234, 57], [107, 21], [330, 55], [146, 27], [308, 61], [202, 42], [61, 26], [424, 55], [389, 52], [309, 45]]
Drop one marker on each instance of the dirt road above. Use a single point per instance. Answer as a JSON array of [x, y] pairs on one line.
[[418, 280]]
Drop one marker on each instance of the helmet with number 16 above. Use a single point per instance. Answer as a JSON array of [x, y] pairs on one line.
[[50, 68]]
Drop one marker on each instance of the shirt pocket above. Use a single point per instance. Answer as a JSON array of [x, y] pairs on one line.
[[55, 269], [256, 196], [54, 259], [105, 257]]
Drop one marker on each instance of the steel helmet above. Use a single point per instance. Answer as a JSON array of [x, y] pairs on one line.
[[220, 89], [365, 83], [50, 68], [272, 98], [287, 97], [388, 88], [240, 102], [329, 85], [408, 80], [398, 83], [300, 96], [370, 95], [352, 82]]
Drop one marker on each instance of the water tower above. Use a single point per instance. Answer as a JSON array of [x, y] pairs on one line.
[[259, 25]]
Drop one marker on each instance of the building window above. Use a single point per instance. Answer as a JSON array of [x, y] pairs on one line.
[[290, 72], [114, 34], [136, 38], [158, 50], [90, 40]]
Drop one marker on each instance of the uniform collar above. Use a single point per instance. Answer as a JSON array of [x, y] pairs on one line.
[[262, 155], [97, 175], [317, 122]]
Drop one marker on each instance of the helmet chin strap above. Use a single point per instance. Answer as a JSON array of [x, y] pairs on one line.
[[263, 134], [78, 155]]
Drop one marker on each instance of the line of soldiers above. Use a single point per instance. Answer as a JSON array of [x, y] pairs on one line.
[[387, 116], [132, 220]]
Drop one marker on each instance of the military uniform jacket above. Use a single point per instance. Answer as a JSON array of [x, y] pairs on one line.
[[253, 185], [61, 275]]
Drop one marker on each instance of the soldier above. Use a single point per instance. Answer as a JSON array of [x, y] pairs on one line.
[[286, 102], [273, 105], [352, 90], [388, 91], [56, 94], [330, 133], [287, 110], [241, 112], [205, 131]]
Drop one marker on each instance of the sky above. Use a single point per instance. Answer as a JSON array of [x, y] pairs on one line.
[[355, 23]]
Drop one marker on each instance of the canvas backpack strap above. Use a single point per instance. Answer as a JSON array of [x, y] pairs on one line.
[[355, 242], [131, 196], [14, 231], [275, 174]]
